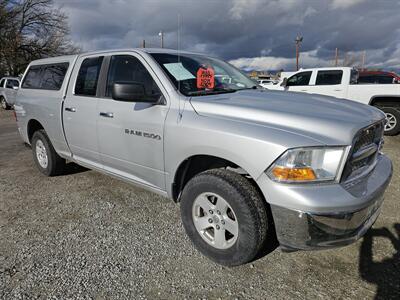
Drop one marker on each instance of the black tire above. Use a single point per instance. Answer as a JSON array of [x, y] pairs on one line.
[[394, 115], [55, 164], [3, 103], [249, 209]]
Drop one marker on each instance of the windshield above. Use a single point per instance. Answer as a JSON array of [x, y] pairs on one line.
[[197, 75]]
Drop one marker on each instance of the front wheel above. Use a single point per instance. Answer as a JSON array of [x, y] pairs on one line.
[[225, 217], [392, 126]]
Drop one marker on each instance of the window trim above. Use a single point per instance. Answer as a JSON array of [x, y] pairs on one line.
[[102, 84], [42, 66]]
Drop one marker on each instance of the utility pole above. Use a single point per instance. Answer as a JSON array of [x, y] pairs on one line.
[[336, 57], [298, 41], [144, 44], [363, 59], [161, 34]]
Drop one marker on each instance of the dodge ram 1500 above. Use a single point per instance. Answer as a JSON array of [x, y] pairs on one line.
[[249, 167]]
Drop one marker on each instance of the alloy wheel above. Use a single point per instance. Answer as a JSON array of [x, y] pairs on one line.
[[215, 220], [41, 154], [391, 121]]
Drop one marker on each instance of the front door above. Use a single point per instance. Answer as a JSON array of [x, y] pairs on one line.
[[80, 111], [131, 133], [299, 82]]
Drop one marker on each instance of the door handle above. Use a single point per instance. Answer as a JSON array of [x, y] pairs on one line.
[[70, 109], [107, 114], [303, 90], [337, 90]]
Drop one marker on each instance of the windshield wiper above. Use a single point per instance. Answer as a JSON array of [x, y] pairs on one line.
[[211, 92], [254, 87]]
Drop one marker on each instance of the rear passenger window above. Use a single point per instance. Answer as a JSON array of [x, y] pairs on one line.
[[53, 76], [32, 78], [329, 77], [2, 83], [88, 76]]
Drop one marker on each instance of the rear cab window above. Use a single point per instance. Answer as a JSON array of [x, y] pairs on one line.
[[329, 77], [45, 77], [32, 78]]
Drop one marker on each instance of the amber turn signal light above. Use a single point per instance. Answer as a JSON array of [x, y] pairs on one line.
[[295, 174]]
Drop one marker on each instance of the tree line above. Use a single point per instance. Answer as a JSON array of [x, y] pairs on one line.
[[29, 30]]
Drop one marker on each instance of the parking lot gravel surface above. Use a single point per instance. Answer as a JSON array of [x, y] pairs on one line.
[[84, 235]]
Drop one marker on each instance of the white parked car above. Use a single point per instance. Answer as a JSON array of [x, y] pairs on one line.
[[266, 82], [341, 82], [8, 91]]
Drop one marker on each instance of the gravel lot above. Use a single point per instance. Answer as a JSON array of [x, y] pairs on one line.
[[86, 235]]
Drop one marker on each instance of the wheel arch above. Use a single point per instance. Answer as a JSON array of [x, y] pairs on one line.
[[195, 164], [33, 126], [383, 100]]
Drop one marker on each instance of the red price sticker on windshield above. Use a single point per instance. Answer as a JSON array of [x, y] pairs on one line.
[[205, 78]]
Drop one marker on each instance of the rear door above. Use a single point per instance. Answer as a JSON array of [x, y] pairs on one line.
[[131, 133], [80, 110], [329, 83]]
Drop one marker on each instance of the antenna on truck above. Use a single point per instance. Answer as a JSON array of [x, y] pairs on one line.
[[179, 60]]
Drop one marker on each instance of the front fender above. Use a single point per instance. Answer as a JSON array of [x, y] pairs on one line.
[[252, 147]]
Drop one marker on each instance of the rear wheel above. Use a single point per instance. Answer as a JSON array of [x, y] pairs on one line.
[[225, 217], [392, 126], [4, 104], [46, 158]]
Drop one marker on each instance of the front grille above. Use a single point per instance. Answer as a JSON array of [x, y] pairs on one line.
[[364, 151]]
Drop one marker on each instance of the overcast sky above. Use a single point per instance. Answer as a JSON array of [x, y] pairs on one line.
[[256, 34]]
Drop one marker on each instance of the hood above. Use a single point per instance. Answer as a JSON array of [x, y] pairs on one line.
[[328, 120]]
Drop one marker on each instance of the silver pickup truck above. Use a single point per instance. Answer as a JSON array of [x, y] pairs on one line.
[[249, 167]]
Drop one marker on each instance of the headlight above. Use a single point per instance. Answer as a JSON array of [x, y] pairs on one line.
[[307, 165]]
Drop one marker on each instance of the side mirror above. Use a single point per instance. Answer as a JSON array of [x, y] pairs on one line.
[[284, 82], [132, 92]]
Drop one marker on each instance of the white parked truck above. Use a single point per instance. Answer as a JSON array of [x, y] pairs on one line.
[[341, 82]]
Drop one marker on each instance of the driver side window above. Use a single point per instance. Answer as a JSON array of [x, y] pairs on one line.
[[302, 78], [126, 68]]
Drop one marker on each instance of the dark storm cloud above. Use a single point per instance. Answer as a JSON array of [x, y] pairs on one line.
[[235, 29]]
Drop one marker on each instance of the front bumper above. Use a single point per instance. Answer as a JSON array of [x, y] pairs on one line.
[[331, 225]]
